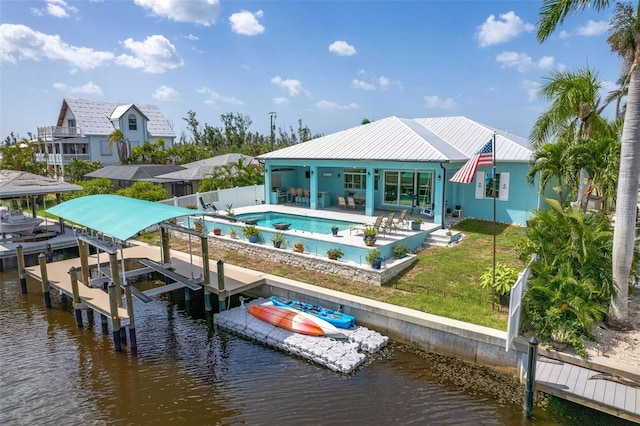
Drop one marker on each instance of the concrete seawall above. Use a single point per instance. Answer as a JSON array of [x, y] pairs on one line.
[[477, 344]]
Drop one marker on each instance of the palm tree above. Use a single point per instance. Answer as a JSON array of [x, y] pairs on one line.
[[552, 160], [624, 39], [118, 139], [574, 113]]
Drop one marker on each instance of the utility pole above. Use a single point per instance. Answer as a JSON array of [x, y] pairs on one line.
[[273, 128]]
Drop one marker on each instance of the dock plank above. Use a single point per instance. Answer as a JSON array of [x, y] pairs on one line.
[[630, 398]]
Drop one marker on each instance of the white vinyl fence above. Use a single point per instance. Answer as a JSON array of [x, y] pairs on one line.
[[237, 197], [515, 303]]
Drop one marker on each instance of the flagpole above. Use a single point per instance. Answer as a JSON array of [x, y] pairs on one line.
[[495, 179]]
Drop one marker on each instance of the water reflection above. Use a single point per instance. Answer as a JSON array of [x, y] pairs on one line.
[[184, 374]]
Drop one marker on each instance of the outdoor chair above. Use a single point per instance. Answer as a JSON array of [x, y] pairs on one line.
[[210, 207], [351, 203], [377, 226], [292, 194], [402, 221], [306, 197], [299, 196], [389, 224], [341, 202]]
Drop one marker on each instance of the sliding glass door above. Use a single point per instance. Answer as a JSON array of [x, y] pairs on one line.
[[401, 187]]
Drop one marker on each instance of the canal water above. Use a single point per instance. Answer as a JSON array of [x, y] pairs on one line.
[[51, 372]]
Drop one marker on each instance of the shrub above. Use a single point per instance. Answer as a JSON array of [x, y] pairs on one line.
[[400, 250], [506, 277], [373, 255], [334, 253]]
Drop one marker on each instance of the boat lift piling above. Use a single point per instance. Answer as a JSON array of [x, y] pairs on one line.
[[73, 273], [21, 270], [132, 324], [221, 290], [45, 280], [115, 321]]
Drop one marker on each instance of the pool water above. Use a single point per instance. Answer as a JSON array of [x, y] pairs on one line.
[[298, 222]]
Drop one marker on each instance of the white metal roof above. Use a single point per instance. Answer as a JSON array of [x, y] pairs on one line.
[[93, 117], [197, 170], [440, 139]]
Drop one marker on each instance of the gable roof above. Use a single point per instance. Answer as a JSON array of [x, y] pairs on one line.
[[133, 172], [441, 139], [15, 184], [93, 117], [121, 110], [197, 170]]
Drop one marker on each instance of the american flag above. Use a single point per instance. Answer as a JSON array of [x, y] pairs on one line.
[[484, 157]]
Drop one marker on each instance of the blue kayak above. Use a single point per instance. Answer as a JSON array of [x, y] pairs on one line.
[[338, 319]]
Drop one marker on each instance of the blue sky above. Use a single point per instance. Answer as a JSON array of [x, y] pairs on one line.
[[329, 63]]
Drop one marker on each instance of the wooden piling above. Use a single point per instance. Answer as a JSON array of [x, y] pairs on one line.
[[73, 273], [115, 276], [165, 253], [115, 321], [221, 291], [206, 276], [84, 261], [105, 324], [529, 392], [21, 269], [132, 324], [42, 260]]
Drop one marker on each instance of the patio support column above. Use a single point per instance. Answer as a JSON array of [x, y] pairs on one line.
[[313, 188], [438, 198], [267, 184], [370, 202]]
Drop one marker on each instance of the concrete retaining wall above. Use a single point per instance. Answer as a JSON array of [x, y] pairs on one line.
[[477, 344], [365, 274]]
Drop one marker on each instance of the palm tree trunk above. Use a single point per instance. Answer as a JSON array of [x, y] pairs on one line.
[[627, 200]]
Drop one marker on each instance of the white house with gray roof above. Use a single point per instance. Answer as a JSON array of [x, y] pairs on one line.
[[398, 163], [83, 127]]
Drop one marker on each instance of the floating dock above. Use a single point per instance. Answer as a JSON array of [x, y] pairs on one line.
[[343, 356]]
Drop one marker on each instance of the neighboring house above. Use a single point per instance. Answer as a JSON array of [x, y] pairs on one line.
[[187, 181], [83, 127], [397, 163], [123, 176]]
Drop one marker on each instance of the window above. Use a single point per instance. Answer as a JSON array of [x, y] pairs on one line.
[[133, 122], [355, 179], [484, 185], [105, 149]]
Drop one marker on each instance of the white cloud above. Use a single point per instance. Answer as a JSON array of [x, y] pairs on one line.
[[280, 101], [87, 89], [202, 12], [342, 48], [19, 43], [385, 82], [546, 62], [216, 98], [523, 62], [59, 8], [293, 86], [435, 102], [191, 37], [593, 28], [493, 31], [332, 106], [166, 93], [563, 34], [246, 23], [362, 85], [531, 87], [154, 55]]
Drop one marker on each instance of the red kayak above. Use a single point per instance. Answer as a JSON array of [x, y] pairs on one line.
[[293, 320]]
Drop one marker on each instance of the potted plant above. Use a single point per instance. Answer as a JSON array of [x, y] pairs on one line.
[[369, 237], [506, 277], [298, 247], [374, 259], [198, 224], [233, 234], [561, 337], [400, 251], [416, 223], [334, 253], [251, 233], [229, 211], [334, 230], [277, 239]]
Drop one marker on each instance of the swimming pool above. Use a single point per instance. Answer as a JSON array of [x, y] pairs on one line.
[[298, 222]]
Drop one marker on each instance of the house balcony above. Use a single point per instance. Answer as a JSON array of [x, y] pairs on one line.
[[51, 133], [61, 158]]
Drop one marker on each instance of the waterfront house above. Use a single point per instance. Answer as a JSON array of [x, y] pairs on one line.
[[397, 163], [83, 127]]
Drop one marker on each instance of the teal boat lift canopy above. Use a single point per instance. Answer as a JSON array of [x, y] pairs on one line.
[[117, 216]]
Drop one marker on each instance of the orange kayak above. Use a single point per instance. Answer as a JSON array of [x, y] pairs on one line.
[[293, 320]]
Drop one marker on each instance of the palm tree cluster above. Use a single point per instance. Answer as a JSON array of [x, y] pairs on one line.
[[238, 174], [586, 158]]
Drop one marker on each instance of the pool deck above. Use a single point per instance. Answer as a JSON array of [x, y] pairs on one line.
[[347, 236]]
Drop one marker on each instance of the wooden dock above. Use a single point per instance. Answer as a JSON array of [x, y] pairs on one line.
[[603, 391]]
